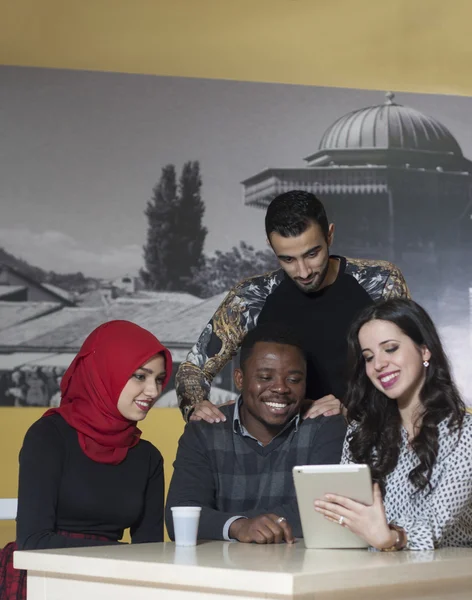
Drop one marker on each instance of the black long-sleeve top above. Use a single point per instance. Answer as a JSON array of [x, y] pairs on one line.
[[60, 488]]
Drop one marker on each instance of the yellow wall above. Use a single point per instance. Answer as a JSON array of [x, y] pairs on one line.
[[412, 45], [408, 45]]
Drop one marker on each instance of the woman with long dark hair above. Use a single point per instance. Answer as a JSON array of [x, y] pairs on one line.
[[408, 422], [85, 474]]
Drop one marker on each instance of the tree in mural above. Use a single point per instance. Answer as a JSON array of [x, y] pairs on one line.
[[189, 254], [173, 254], [223, 270], [161, 214], [175, 235]]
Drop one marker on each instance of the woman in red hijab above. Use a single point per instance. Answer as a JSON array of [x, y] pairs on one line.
[[85, 474]]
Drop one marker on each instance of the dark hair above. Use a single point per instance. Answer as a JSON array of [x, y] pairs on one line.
[[275, 333], [291, 213], [377, 438]]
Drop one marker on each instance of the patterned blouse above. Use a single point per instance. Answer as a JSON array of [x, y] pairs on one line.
[[444, 516]]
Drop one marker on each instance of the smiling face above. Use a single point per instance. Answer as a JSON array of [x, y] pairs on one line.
[[305, 257], [142, 389], [393, 362], [272, 383]]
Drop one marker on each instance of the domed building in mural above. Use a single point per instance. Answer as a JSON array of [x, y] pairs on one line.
[[393, 180]]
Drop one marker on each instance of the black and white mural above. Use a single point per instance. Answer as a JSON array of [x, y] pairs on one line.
[[143, 197]]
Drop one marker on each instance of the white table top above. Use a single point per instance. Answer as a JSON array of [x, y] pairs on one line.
[[278, 569]]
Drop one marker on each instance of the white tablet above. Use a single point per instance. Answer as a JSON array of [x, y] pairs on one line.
[[312, 482]]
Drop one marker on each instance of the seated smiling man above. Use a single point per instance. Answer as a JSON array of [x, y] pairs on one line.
[[240, 471]]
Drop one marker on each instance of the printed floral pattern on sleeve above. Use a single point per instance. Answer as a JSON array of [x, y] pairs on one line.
[[381, 279], [221, 338]]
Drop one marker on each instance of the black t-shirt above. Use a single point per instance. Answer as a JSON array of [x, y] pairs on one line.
[[322, 320], [60, 488]]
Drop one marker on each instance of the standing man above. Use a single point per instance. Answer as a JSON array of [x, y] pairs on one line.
[[314, 293]]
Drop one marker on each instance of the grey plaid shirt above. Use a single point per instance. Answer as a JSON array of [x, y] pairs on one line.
[[230, 474]]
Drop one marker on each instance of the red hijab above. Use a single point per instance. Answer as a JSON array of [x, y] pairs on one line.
[[92, 385]]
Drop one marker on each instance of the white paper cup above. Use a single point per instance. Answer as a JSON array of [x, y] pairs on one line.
[[186, 519]]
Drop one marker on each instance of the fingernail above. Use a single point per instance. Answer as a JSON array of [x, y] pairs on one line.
[[224, 419], [217, 421]]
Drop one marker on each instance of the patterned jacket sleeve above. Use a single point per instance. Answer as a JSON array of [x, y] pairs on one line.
[[395, 286], [449, 502], [221, 339], [381, 279]]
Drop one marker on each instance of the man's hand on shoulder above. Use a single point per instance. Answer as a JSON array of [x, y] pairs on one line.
[[206, 411], [264, 529], [327, 406]]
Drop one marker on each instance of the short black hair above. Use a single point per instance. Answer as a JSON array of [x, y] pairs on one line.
[[291, 213], [276, 333]]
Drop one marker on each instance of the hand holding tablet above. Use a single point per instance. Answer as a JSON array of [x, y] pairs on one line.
[[367, 521]]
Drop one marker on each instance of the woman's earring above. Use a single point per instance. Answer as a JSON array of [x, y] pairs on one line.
[[426, 364]]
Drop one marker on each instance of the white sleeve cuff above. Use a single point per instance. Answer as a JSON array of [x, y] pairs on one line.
[[226, 527]]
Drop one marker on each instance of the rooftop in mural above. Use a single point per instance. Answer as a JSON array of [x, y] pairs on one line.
[[389, 125], [176, 324], [356, 151], [14, 313]]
